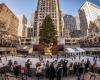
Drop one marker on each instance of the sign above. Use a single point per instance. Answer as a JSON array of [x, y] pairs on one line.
[[61, 41]]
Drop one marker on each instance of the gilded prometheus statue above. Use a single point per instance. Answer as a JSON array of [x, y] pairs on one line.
[[48, 50]]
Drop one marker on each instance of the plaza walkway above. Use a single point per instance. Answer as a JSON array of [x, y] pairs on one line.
[[87, 77]]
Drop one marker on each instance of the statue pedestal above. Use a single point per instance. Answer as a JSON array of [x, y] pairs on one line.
[[48, 54]]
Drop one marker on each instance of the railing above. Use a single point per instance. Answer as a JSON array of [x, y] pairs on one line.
[[9, 76], [94, 75]]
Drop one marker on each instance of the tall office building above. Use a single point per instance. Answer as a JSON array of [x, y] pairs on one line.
[[29, 32], [44, 8], [88, 12], [77, 22], [32, 20], [70, 22], [31, 26], [22, 28]]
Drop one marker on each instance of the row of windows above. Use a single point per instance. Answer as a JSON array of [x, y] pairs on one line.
[[54, 20], [48, 11], [90, 41], [47, 2], [42, 17], [25, 43], [52, 13], [53, 9], [70, 43], [70, 40], [35, 28], [47, 8], [22, 40]]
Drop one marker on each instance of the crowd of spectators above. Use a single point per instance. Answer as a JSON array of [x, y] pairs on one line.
[[55, 69]]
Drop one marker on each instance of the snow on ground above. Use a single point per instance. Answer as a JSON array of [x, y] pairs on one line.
[[21, 60]]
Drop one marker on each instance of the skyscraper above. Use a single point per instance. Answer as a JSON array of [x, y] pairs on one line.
[[70, 22], [77, 22], [22, 28], [44, 8], [88, 12]]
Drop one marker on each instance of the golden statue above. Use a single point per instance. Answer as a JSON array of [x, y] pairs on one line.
[[48, 50]]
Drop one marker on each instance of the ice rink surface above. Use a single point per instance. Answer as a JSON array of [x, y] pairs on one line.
[[22, 60]]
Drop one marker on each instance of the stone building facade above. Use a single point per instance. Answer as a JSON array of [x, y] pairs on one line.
[[88, 12], [8, 30], [10, 20], [90, 41]]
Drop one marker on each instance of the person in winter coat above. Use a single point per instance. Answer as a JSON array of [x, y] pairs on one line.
[[59, 71], [64, 68], [93, 67], [38, 71], [16, 68], [75, 66], [71, 69], [10, 63], [28, 66], [79, 71], [51, 72], [87, 65], [47, 69]]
